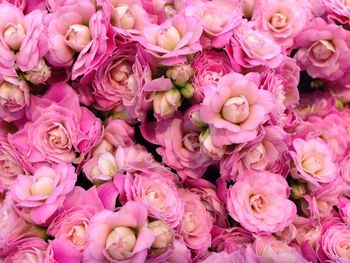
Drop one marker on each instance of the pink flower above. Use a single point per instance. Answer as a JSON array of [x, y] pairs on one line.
[[260, 206], [71, 225], [235, 108], [316, 103], [283, 19], [196, 223], [251, 48], [100, 168], [334, 244], [269, 249], [118, 80], [173, 40], [58, 129], [76, 28], [22, 39], [14, 97], [180, 148], [209, 66], [44, 192], [30, 249], [112, 236], [338, 10], [314, 161], [159, 194], [119, 133], [322, 50], [344, 168], [344, 209], [218, 19]]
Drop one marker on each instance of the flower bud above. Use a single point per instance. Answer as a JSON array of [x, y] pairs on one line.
[[169, 11], [298, 190], [120, 241], [236, 109], [164, 235], [208, 148], [187, 91], [42, 186], [126, 19], [180, 74], [166, 103], [168, 38], [39, 74], [11, 96], [78, 236], [196, 119], [256, 155], [103, 146], [14, 35], [77, 37], [191, 141]]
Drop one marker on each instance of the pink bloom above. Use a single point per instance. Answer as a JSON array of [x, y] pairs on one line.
[[313, 161], [283, 19], [180, 148], [14, 97], [344, 209], [260, 206], [112, 236], [269, 249], [58, 129], [119, 133], [322, 50], [196, 223], [209, 66], [173, 40], [118, 80], [22, 39], [235, 108], [218, 19], [44, 192], [338, 10], [159, 194], [30, 249], [100, 168], [76, 28], [71, 225], [334, 244], [344, 168], [251, 48]]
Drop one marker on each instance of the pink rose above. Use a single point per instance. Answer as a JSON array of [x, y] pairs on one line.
[[159, 194], [180, 147], [14, 97], [209, 66], [283, 19], [338, 10], [58, 128], [71, 225], [118, 80], [218, 19], [30, 249], [269, 249], [334, 244], [260, 206], [173, 40], [313, 161], [122, 236], [43, 193], [196, 223], [251, 48], [344, 209], [22, 39], [76, 28], [235, 108], [322, 50]]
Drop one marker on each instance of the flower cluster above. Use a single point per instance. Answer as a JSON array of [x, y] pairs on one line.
[[174, 131]]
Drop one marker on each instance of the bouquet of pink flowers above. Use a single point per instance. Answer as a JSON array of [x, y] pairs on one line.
[[175, 131]]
